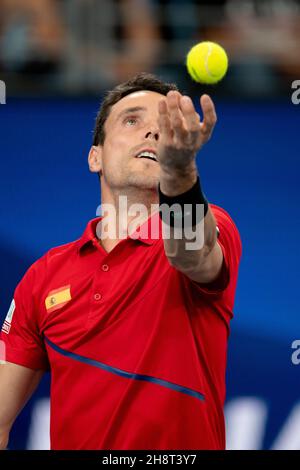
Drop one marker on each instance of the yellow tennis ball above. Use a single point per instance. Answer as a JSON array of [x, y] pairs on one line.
[[207, 62]]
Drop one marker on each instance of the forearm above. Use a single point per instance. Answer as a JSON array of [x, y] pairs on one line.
[[17, 384], [185, 253], [4, 436]]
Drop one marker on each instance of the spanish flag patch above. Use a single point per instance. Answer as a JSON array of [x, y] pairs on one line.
[[58, 298]]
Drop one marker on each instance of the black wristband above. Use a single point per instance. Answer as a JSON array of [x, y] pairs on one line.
[[188, 210]]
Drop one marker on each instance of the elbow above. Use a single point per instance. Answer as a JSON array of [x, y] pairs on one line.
[[194, 262], [182, 264]]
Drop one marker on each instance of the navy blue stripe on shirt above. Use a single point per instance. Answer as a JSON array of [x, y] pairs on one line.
[[123, 373]]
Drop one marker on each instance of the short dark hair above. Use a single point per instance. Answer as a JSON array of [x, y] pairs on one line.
[[141, 81]]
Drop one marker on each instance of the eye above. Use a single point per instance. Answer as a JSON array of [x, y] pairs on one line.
[[130, 121]]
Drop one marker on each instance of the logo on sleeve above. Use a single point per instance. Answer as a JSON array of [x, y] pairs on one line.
[[7, 322], [57, 298]]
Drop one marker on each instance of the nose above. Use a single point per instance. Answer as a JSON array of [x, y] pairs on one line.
[[154, 134]]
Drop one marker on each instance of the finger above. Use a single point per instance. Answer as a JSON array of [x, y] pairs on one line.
[[190, 115], [176, 117], [209, 115], [164, 123]]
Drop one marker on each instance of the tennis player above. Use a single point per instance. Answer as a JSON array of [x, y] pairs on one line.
[[133, 328]]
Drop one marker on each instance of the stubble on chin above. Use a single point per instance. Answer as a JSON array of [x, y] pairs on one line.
[[130, 179], [142, 181]]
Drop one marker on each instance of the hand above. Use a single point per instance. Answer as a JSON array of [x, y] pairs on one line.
[[182, 133]]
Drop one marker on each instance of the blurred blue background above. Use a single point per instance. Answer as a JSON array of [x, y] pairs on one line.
[[250, 167]]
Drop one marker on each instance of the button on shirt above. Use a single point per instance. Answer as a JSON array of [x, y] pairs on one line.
[[137, 350]]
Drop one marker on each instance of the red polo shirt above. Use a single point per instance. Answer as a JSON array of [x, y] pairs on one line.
[[137, 351]]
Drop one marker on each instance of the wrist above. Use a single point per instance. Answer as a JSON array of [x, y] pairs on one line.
[[184, 209], [174, 181]]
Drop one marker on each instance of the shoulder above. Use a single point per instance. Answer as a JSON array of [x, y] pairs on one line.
[[221, 214], [60, 251], [55, 256], [228, 231]]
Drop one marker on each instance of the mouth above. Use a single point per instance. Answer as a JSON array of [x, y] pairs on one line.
[[148, 154]]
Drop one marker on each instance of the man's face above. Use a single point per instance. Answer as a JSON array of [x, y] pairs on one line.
[[131, 139]]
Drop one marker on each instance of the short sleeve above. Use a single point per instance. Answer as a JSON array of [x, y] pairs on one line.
[[230, 243], [20, 331]]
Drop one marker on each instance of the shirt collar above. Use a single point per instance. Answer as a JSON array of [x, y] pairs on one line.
[[149, 232], [89, 234]]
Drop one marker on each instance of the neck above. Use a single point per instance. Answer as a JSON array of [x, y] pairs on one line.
[[124, 210]]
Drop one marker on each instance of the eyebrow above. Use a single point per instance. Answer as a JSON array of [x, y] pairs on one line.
[[133, 109]]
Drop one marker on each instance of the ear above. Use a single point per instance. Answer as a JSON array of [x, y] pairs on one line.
[[95, 159]]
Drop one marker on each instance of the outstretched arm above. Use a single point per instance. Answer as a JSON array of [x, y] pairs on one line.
[[182, 134]]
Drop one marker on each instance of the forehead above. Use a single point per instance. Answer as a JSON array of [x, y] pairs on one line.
[[145, 99]]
